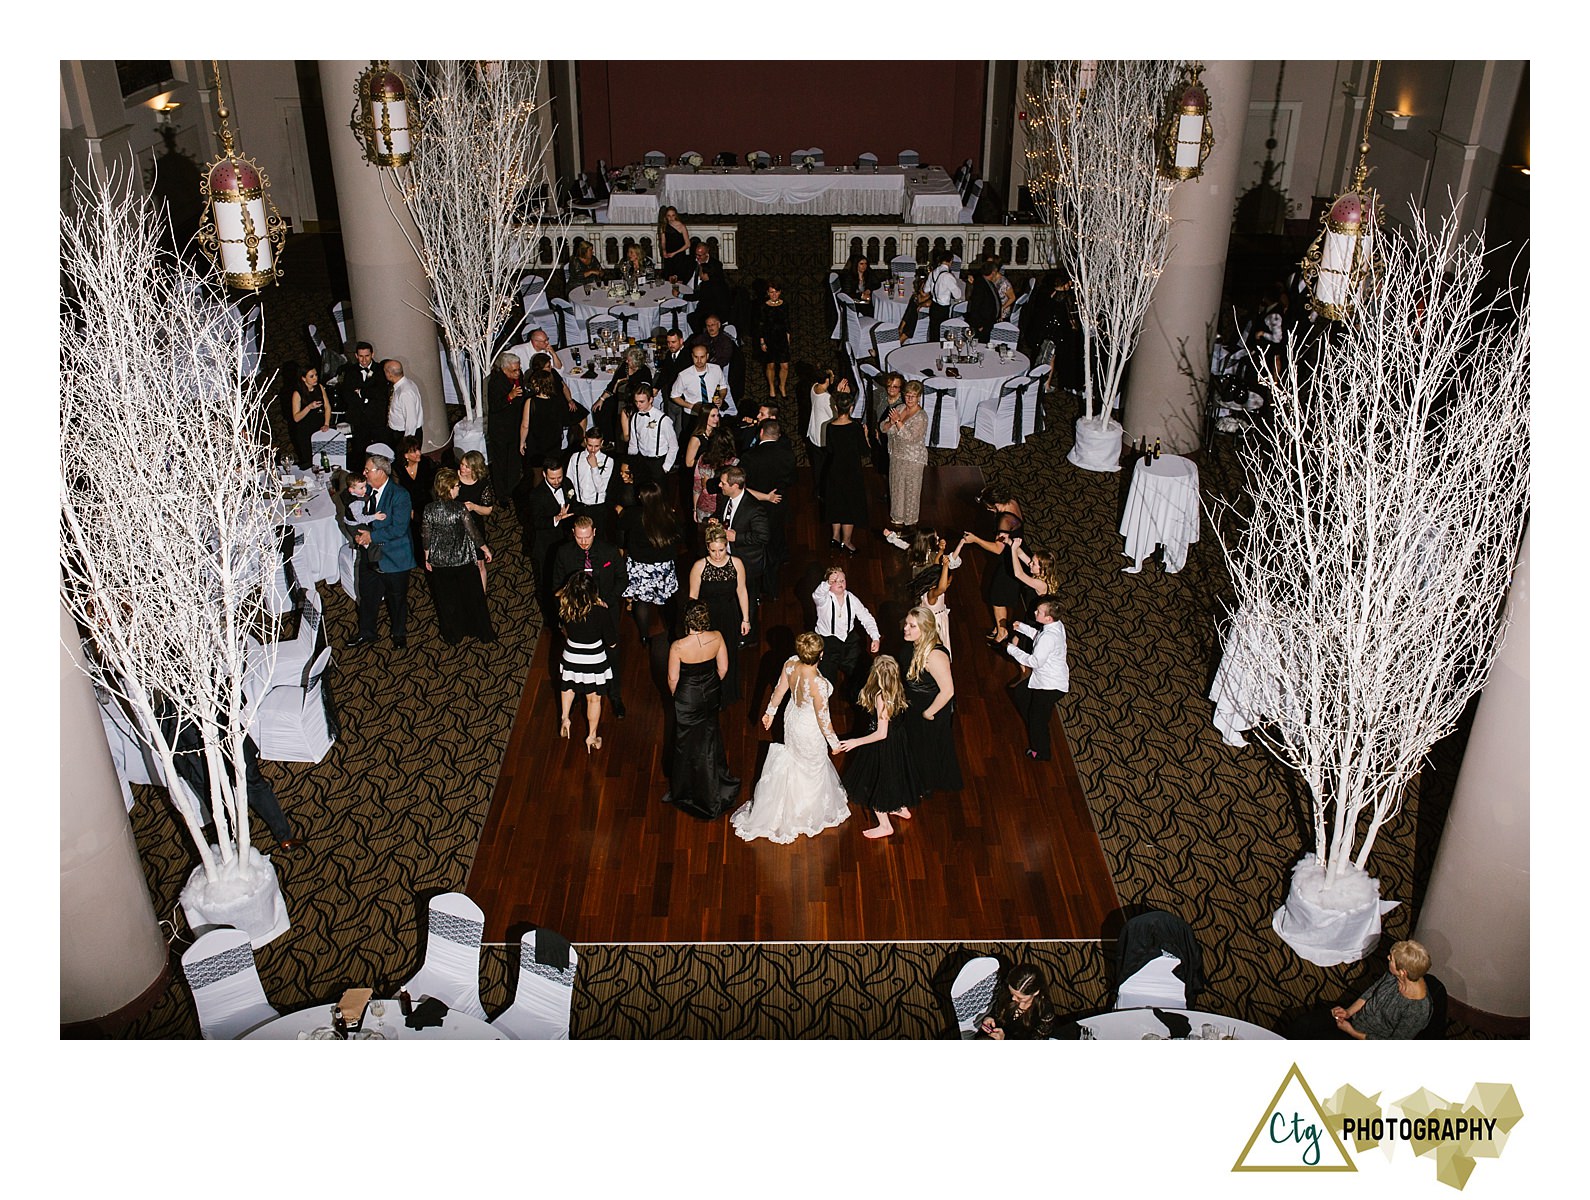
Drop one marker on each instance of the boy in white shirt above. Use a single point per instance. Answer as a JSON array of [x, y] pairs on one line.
[[1050, 674]]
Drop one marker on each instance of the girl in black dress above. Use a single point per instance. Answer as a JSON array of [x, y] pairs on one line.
[[584, 668], [549, 414], [1019, 1011], [928, 724], [876, 772], [773, 337], [718, 580], [845, 490], [674, 239], [309, 409], [1001, 587], [476, 494]]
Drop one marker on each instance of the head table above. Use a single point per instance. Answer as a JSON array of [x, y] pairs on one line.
[[979, 382], [921, 195]]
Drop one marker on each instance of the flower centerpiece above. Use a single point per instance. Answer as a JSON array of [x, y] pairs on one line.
[[693, 161], [652, 175]]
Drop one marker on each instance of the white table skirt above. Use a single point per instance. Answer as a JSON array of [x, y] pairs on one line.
[[455, 1027], [629, 208], [468, 435], [316, 560], [979, 383], [1137, 1024], [933, 199], [831, 191], [596, 303], [1161, 510], [1241, 700], [585, 391]]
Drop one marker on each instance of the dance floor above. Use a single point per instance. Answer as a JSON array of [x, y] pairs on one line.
[[582, 843]]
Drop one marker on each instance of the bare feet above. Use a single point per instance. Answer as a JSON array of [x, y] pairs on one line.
[[563, 729], [904, 812], [879, 831]]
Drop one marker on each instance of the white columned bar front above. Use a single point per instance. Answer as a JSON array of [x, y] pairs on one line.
[[389, 292], [1170, 369]]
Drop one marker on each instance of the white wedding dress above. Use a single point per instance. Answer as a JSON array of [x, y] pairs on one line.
[[799, 792]]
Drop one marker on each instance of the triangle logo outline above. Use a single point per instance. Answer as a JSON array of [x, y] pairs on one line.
[[1346, 1163]]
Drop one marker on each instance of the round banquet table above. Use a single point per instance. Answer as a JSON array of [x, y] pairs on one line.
[[596, 302], [1161, 510], [1140, 1024], [303, 1025], [979, 382], [586, 391], [888, 309]]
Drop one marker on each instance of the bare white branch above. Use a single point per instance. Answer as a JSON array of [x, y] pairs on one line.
[[168, 505], [1389, 497]]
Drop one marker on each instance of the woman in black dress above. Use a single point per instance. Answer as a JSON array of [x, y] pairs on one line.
[[309, 409], [452, 539], [1003, 590], [620, 394], [1020, 1011], [773, 338], [719, 582], [929, 723], [549, 414], [845, 489], [584, 668], [475, 493], [650, 532], [416, 474], [700, 782], [877, 774], [674, 239], [505, 399]]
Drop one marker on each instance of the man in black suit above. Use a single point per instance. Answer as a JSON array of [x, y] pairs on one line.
[[769, 474], [605, 564], [673, 359], [982, 305], [745, 518], [551, 510], [363, 394]]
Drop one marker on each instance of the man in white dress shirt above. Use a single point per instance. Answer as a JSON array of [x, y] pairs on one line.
[[700, 384], [944, 289], [539, 343], [1050, 674], [838, 614], [591, 472], [405, 412], [650, 437]]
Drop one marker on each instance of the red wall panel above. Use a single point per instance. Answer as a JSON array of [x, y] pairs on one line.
[[934, 108]]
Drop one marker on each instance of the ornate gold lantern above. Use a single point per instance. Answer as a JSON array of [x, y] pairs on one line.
[[1188, 135], [241, 225], [382, 120], [1345, 256]]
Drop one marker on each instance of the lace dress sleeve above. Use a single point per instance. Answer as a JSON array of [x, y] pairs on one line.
[[820, 707]]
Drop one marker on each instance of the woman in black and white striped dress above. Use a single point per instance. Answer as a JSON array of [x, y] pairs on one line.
[[588, 631]]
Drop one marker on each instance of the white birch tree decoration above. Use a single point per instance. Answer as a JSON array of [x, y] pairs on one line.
[[479, 162], [168, 517], [1389, 498], [1094, 155]]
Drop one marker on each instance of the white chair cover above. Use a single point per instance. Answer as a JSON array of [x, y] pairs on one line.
[[671, 315], [903, 266], [858, 328], [951, 324], [220, 969], [292, 724], [315, 340], [348, 571], [759, 158], [570, 328], [655, 158], [909, 158], [972, 993], [734, 334], [816, 155], [343, 316], [684, 159], [630, 321], [1154, 984], [1003, 331], [885, 337], [540, 1008], [294, 657], [839, 313], [867, 159], [943, 414], [970, 207], [1013, 417], [451, 971], [962, 176], [596, 325], [869, 398]]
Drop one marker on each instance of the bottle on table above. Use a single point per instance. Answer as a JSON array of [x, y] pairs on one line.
[[1156, 449], [405, 1004], [339, 1024]]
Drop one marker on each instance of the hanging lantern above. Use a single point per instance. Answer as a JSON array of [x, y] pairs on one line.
[[1345, 255], [382, 119], [1087, 72], [1188, 134], [241, 225]]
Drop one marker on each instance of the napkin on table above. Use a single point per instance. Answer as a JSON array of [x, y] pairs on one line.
[[427, 1012]]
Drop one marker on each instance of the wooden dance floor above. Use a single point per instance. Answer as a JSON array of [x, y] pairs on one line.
[[582, 844]]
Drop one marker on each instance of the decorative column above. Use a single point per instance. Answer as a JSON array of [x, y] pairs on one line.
[[1475, 919], [387, 287], [1169, 372], [113, 957]]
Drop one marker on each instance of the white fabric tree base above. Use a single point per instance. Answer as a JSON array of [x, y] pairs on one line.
[[1098, 445], [246, 897], [1335, 926]]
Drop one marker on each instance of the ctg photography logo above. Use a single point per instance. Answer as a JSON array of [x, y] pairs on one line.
[[1296, 1132]]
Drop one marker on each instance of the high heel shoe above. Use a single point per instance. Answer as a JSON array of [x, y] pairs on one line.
[[563, 729], [592, 743]]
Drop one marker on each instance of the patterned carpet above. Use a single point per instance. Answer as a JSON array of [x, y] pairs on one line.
[[1187, 824]]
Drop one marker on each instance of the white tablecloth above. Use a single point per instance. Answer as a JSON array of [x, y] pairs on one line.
[[1161, 510], [979, 382], [596, 302], [585, 391], [1132, 1024], [933, 198], [629, 208], [455, 1027], [831, 191], [1242, 699], [316, 518], [467, 436]]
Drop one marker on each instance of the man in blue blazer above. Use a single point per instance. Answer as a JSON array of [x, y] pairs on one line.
[[388, 553]]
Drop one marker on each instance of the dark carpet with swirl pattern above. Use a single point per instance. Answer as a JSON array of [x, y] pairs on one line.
[[394, 812]]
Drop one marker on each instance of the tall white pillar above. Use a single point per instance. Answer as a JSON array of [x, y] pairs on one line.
[[1170, 368], [112, 953], [388, 289], [1475, 919]]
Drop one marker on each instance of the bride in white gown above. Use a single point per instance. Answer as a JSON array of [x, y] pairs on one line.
[[799, 791]]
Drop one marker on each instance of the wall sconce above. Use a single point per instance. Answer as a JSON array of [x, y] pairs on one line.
[[1187, 135], [1392, 119], [1344, 258], [241, 225], [382, 118]]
